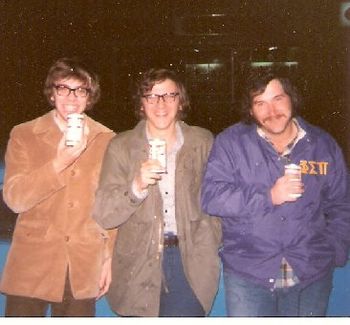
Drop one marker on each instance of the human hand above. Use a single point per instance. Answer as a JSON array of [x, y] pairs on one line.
[[106, 278], [286, 189], [147, 175], [66, 155]]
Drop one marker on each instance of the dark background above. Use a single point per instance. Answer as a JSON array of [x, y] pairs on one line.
[[210, 43]]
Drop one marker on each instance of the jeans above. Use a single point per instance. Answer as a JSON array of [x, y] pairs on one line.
[[244, 298], [177, 297]]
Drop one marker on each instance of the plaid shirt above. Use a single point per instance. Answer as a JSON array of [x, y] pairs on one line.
[[286, 277]]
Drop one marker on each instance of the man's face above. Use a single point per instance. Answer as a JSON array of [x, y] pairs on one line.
[[272, 110], [162, 115], [73, 102]]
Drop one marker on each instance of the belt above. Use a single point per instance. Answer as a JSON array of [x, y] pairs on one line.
[[171, 241]]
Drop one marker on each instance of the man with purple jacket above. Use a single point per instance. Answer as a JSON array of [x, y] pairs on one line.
[[283, 235]]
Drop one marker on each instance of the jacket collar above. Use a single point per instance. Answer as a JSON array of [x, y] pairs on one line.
[[307, 127], [312, 132], [310, 137], [45, 123], [189, 141], [95, 128], [139, 141], [46, 127], [140, 137]]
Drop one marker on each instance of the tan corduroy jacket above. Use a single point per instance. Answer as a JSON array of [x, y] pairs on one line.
[[54, 230], [137, 259]]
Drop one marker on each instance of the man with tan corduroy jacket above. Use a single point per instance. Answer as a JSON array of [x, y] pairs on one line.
[[59, 255]]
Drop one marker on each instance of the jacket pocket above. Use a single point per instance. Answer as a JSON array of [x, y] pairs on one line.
[[189, 175], [132, 237], [202, 230], [30, 232]]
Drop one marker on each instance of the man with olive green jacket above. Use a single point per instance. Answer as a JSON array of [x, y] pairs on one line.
[[147, 256]]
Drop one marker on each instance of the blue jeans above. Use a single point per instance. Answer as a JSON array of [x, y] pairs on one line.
[[177, 297], [244, 298]]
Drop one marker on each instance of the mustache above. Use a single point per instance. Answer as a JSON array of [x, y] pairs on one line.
[[274, 117]]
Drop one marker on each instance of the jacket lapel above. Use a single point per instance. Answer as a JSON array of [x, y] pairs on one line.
[[46, 129], [138, 141], [95, 128]]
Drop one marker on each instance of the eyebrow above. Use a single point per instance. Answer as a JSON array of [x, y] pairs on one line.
[[262, 100], [65, 85]]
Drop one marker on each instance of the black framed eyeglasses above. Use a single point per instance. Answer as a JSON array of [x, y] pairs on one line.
[[63, 90], [167, 98]]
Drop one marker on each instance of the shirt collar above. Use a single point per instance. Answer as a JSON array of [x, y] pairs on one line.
[[179, 137], [300, 134], [57, 122]]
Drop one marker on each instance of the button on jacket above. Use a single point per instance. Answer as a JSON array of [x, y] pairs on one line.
[[54, 229], [313, 233], [137, 261]]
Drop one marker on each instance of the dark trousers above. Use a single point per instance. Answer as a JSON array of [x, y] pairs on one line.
[[177, 297], [17, 306]]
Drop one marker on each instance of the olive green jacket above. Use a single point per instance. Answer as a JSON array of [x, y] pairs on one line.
[[136, 266]]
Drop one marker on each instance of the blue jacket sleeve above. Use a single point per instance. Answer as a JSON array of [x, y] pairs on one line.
[[224, 192], [336, 206]]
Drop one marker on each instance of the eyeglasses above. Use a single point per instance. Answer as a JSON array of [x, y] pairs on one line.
[[63, 90], [154, 98]]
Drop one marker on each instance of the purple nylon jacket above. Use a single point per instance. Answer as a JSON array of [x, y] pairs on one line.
[[313, 233]]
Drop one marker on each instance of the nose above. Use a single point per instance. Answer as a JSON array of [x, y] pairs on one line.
[[71, 96], [161, 102], [271, 108]]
